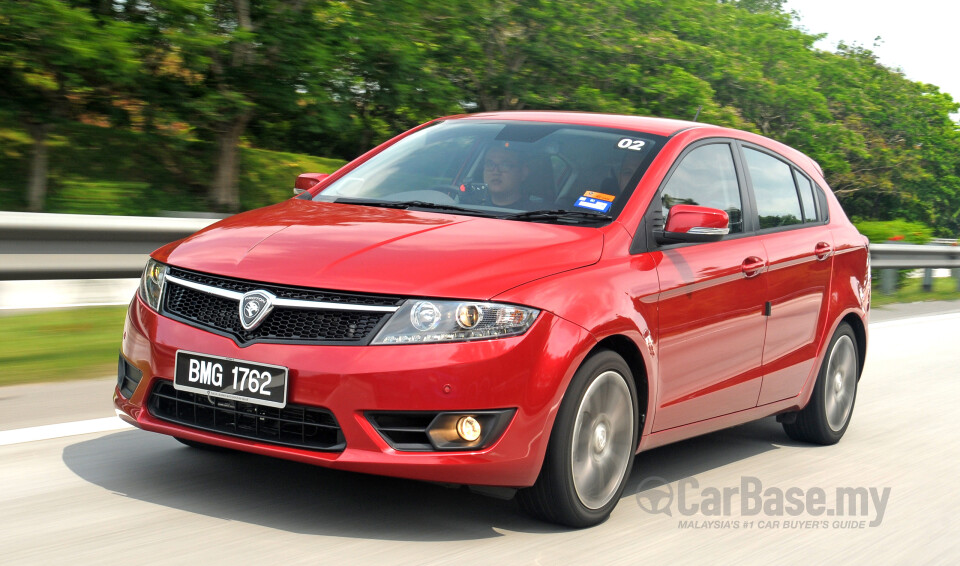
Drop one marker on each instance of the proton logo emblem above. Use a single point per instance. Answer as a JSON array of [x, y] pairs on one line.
[[254, 307]]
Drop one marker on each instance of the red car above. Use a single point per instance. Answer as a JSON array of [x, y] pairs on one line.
[[524, 300]]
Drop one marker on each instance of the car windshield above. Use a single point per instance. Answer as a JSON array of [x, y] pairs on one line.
[[507, 169]]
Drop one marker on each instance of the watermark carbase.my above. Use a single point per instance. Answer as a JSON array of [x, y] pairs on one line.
[[750, 505]]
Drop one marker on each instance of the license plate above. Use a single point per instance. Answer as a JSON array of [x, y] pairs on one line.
[[227, 378]]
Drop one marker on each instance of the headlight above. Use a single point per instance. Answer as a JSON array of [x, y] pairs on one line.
[[421, 320], [151, 284]]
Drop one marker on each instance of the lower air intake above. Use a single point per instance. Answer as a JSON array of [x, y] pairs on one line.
[[299, 426]]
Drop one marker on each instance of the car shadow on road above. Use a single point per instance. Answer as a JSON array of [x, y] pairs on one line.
[[690, 457], [674, 462], [306, 499]]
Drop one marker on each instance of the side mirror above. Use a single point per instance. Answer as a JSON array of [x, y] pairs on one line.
[[687, 223], [306, 181]]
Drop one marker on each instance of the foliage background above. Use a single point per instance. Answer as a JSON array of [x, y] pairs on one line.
[[143, 105]]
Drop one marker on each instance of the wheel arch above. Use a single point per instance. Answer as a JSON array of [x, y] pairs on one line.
[[860, 332], [630, 352]]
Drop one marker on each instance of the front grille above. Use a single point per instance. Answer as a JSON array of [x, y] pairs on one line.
[[284, 324], [299, 426]]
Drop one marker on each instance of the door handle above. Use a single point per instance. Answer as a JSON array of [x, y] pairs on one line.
[[823, 250], [752, 266]]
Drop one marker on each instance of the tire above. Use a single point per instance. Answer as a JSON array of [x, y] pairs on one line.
[[827, 415], [592, 446], [201, 445]]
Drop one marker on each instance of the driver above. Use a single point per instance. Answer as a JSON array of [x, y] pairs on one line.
[[504, 171]]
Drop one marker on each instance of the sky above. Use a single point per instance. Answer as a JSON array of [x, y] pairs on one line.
[[918, 36]]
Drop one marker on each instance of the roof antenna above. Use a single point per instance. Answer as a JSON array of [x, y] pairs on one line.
[[699, 108]]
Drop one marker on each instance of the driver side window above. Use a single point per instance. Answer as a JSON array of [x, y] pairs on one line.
[[706, 177]]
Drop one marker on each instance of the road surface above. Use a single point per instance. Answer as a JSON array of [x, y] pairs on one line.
[[130, 495]]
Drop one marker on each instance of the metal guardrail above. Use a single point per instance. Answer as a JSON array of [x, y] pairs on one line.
[[913, 256], [938, 254], [74, 246]]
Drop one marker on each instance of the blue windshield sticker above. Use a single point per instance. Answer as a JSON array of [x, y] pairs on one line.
[[593, 204]]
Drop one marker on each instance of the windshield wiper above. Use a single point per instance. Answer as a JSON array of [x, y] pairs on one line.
[[369, 202], [560, 215], [436, 206], [405, 204]]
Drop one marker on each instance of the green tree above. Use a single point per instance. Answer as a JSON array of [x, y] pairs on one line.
[[58, 60], [386, 77], [898, 158], [336, 77], [219, 65]]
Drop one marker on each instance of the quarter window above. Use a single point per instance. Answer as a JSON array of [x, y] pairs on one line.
[[806, 197], [774, 189], [706, 177]]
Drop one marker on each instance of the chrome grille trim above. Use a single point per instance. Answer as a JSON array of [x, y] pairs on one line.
[[291, 303]]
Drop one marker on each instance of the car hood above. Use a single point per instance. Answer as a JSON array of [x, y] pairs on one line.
[[379, 250]]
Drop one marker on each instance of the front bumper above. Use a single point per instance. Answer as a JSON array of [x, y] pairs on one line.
[[527, 373]]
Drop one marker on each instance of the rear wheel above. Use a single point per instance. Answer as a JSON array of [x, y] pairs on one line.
[[592, 447], [827, 415]]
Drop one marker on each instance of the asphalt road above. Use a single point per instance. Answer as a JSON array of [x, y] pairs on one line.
[[134, 496]]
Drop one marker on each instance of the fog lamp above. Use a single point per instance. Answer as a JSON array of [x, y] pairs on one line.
[[468, 428]]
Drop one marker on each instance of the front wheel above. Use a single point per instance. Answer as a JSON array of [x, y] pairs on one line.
[[827, 415], [592, 447]]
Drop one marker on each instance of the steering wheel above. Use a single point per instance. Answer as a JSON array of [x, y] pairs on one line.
[[474, 193], [449, 190]]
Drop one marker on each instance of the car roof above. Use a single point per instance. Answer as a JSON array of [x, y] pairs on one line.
[[656, 126]]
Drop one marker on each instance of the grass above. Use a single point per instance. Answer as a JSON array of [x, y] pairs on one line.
[[944, 289], [60, 344], [266, 177], [63, 344]]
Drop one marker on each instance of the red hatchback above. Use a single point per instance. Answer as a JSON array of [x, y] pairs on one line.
[[524, 300]]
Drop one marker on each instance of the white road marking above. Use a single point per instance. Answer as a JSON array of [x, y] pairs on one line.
[[915, 320], [48, 432]]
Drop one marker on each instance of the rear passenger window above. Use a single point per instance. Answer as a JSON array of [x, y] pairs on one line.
[[706, 177], [774, 189], [806, 197]]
